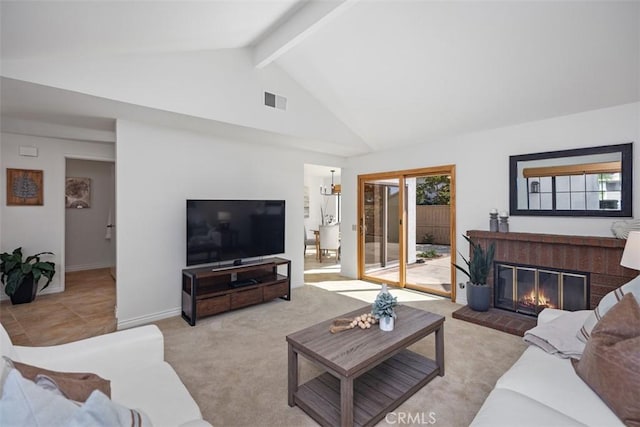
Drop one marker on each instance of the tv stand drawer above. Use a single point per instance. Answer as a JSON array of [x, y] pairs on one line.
[[275, 290], [246, 297], [214, 305]]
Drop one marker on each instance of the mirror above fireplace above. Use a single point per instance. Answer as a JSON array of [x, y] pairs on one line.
[[594, 181]]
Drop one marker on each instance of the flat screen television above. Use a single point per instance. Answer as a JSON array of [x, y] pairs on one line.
[[225, 230]]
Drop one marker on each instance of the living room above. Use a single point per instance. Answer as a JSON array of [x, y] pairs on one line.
[[187, 120]]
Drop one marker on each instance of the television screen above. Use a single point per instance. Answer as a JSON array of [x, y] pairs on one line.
[[223, 230]]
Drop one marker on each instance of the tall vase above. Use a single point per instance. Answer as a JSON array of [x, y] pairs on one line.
[[386, 323]]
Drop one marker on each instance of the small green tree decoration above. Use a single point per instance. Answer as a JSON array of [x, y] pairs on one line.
[[384, 304]]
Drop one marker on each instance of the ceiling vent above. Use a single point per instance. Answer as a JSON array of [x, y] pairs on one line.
[[275, 101]]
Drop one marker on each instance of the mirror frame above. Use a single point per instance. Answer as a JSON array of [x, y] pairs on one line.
[[626, 208]]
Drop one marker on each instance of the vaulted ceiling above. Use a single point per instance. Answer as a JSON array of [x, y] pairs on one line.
[[394, 72]]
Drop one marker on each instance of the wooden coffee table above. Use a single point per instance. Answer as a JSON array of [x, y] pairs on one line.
[[369, 372]]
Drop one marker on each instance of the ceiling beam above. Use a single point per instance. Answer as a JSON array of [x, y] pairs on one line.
[[307, 19]]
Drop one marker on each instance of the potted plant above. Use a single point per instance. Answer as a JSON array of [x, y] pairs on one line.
[[21, 277], [382, 309], [478, 293]]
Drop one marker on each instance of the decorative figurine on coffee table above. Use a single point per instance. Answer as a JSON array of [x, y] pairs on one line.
[[382, 309]]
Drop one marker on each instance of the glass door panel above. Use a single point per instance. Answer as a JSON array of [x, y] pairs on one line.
[[428, 242], [381, 230]]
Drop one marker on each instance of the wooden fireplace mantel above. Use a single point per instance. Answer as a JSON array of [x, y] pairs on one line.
[[598, 256], [606, 242]]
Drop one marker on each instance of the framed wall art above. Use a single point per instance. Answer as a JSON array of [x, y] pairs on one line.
[[306, 201], [24, 187], [77, 193]]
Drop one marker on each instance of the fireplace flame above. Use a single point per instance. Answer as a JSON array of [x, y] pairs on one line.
[[542, 301]]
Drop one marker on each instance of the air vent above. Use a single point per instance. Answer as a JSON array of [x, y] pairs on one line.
[[275, 101], [28, 151]]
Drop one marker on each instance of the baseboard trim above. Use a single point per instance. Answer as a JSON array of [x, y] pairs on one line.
[[148, 318], [83, 267]]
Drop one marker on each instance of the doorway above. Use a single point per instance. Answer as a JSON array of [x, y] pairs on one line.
[[89, 215], [407, 229], [322, 208]]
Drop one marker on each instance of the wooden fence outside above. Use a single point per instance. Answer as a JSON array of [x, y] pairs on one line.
[[433, 223]]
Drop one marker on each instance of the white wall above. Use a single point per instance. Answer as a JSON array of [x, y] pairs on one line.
[[85, 230], [157, 170], [222, 85], [41, 228], [482, 172]]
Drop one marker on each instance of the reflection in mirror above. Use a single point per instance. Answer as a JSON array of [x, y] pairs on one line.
[[591, 182]]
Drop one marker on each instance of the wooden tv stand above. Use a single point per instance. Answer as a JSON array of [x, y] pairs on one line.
[[212, 290]]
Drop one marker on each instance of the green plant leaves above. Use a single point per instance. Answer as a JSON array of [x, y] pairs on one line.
[[480, 264], [13, 270], [26, 268], [383, 305], [14, 279]]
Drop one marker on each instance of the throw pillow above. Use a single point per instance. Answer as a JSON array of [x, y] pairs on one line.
[[100, 411], [608, 301], [5, 367], [610, 364], [75, 386], [23, 403]]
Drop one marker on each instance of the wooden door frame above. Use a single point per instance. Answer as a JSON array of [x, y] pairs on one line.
[[401, 175]]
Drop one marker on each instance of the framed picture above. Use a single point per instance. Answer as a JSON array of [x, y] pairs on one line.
[[24, 187], [77, 194], [306, 201]]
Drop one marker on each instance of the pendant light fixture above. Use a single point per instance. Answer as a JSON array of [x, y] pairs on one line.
[[334, 190]]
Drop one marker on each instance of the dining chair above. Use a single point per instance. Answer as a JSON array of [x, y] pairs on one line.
[[308, 240], [330, 239]]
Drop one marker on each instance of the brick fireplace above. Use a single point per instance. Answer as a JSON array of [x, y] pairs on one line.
[[598, 258]]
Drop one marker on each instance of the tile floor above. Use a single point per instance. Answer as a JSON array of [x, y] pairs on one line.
[[86, 308]]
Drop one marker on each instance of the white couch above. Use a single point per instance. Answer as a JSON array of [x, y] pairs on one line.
[[541, 389], [133, 360]]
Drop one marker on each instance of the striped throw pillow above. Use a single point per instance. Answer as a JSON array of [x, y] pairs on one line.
[[608, 301]]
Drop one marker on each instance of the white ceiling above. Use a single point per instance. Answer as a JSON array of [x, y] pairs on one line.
[[410, 71], [395, 72], [68, 28]]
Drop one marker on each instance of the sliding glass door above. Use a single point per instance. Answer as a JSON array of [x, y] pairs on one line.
[[428, 261], [381, 230], [407, 229]]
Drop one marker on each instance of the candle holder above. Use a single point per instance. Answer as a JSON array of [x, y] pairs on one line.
[[503, 226], [493, 221]]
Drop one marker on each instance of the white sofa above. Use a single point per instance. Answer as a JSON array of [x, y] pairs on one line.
[[133, 360], [541, 389]]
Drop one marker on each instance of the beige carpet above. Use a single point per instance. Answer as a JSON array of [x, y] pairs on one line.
[[235, 364]]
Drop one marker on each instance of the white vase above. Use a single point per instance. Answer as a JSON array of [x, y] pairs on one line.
[[386, 323]]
